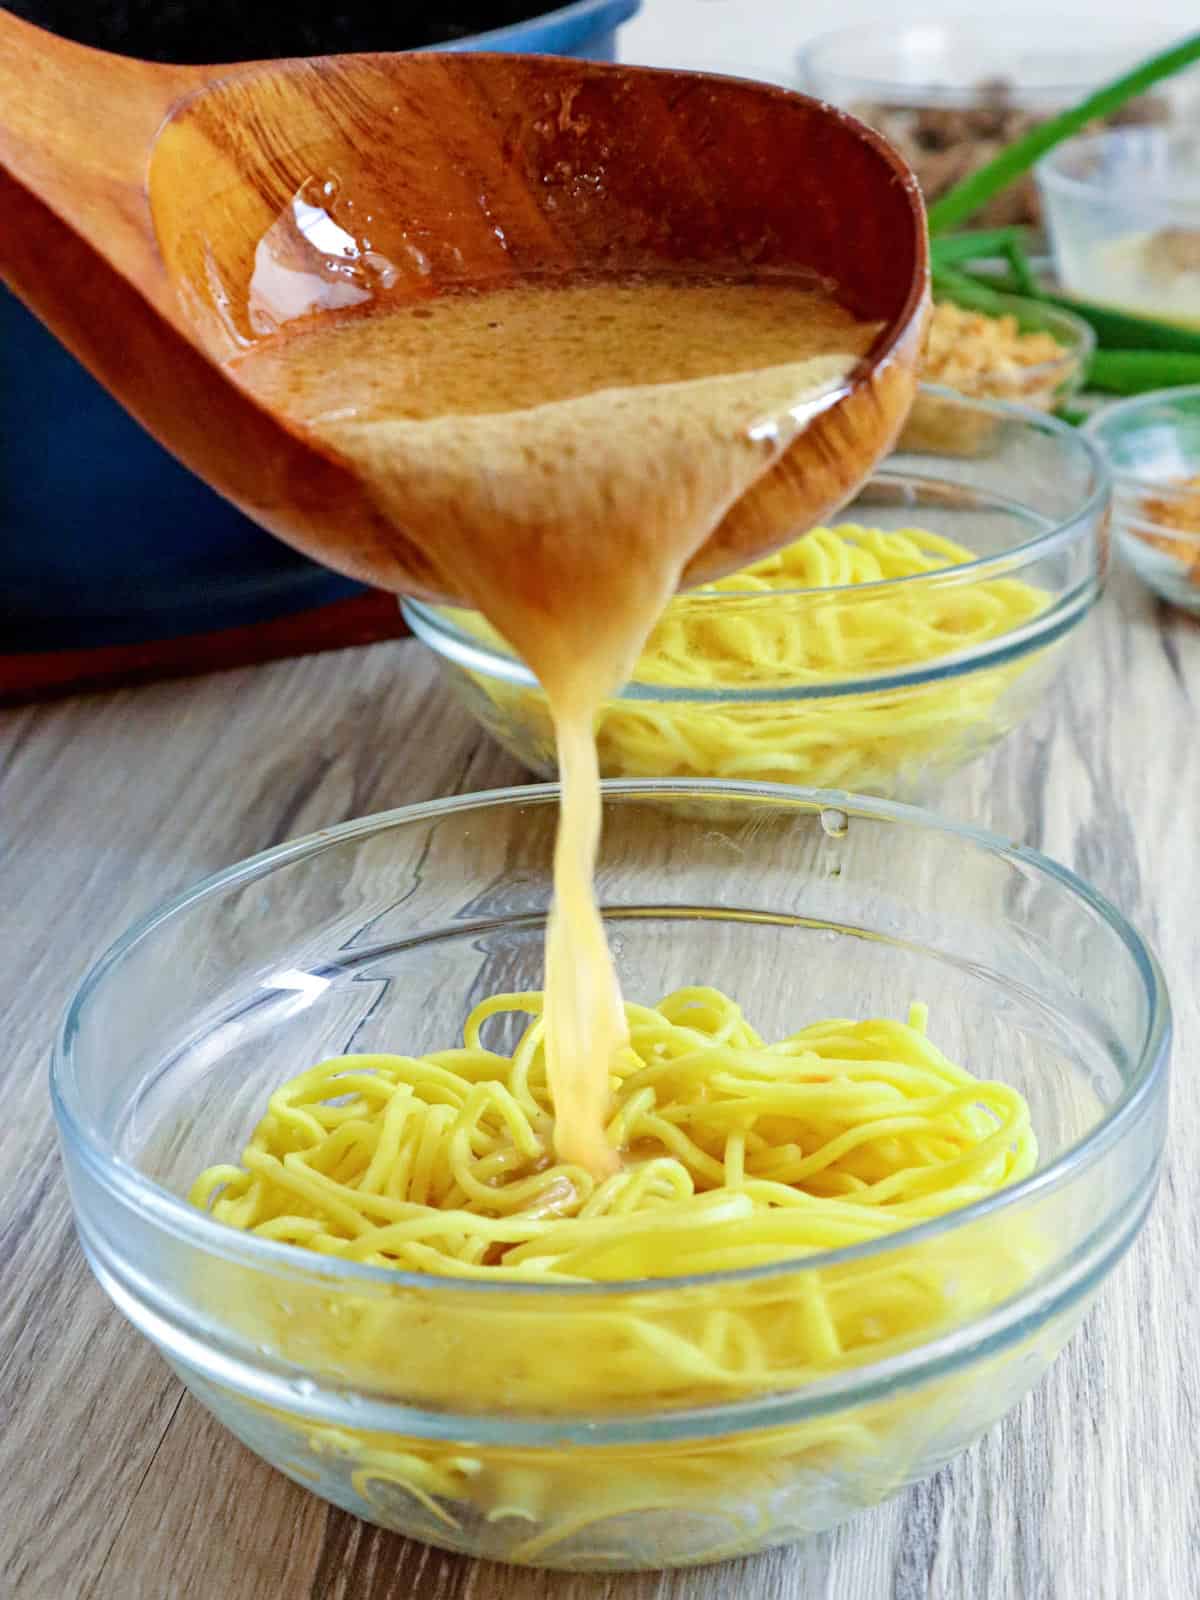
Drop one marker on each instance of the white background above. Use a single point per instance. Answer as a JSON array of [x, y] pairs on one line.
[[761, 37]]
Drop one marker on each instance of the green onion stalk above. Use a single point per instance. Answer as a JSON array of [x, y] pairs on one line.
[[1134, 353]]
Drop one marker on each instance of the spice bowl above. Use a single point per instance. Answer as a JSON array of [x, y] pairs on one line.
[[1123, 215], [884, 687], [604, 1424], [1152, 443], [1019, 350]]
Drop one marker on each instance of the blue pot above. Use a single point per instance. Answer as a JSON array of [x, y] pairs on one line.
[[104, 538]]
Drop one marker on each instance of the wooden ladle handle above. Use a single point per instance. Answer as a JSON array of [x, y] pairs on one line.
[[76, 129], [77, 244]]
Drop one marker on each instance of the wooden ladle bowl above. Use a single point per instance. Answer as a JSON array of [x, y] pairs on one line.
[[161, 219]]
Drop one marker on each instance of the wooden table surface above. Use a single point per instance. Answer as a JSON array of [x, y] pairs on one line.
[[115, 1485]]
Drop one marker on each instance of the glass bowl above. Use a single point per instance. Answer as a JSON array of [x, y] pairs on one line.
[[949, 95], [1042, 386], [1026, 493], [1153, 447], [1123, 215], [507, 1420]]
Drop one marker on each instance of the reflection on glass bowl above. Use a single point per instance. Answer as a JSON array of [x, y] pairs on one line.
[[419, 1402], [1152, 444], [1123, 214]]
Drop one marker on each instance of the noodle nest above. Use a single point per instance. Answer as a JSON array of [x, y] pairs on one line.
[[756, 632], [737, 1153]]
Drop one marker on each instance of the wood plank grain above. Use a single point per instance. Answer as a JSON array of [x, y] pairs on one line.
[[110, 1489], [109, 803], [210, 1478]]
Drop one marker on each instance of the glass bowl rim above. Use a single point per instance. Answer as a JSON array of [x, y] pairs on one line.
[[1121, 412], [175, 1215], [1051, 176], [1039, 633], [1139, 531], [1133, 527], [1013, 31], [432, 625], [1138, 542]]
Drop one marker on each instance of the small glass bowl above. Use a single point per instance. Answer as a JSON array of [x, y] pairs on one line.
[[949, 95], [1153, 443], [427, 1405], [1123, 215], [1025, 492], [1042, 387]]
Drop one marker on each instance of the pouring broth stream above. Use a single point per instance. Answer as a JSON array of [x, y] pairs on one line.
[[565, 446]]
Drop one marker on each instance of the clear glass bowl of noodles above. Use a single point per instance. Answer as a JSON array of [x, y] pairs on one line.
[[616, 1424], [799, 671]]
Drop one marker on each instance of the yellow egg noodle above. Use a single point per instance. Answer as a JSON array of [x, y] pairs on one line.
[[737, 1153], [873, 740]]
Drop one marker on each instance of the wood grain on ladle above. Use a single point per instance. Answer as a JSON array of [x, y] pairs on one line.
[[142, 200]]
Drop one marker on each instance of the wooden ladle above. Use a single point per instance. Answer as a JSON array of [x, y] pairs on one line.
[[160, 219]]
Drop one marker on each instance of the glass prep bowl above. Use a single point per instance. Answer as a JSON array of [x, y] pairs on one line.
[[1025, 492], [1123, 214], [1043, 386], [432, 1419], [1152, 443]]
